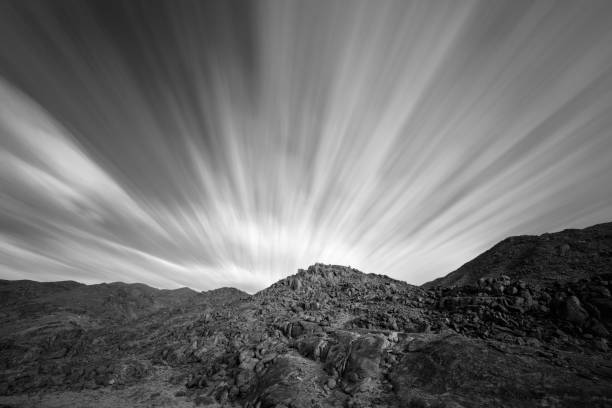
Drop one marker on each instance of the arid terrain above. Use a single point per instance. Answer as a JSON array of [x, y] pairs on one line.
[[525, 324]]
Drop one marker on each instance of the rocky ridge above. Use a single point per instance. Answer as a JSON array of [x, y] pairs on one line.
[[562, 256], [328, 336]]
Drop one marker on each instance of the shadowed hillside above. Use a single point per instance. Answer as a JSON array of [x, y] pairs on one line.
[[558, 257]]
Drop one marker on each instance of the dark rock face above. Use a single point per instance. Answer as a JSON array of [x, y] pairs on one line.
[[329, 336], [558, 257]]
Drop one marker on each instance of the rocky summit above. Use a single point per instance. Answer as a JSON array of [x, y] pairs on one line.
[[526, 324]]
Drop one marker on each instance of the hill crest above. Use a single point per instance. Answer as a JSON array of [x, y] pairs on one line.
[[562, 256]]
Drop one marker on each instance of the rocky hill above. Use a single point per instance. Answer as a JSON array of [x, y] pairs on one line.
[[328, 336], [558, 257]]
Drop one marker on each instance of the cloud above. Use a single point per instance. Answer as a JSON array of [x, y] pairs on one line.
[[212, 148]]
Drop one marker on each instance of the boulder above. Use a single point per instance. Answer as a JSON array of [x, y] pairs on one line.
[[601, 344], [295, 283], [364, 356], [564, 250], [573, 311], [313, 347]]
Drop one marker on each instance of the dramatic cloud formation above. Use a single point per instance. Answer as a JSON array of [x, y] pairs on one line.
[[205, 144]]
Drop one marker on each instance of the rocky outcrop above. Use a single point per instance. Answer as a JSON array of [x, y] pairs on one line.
[[558, 257], [328, 336], [564, 314]]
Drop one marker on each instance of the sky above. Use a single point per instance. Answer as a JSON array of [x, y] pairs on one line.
[[229, 143]]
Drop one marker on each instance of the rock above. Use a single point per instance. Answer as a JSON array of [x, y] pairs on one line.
[[564, 250], [269, 357], [304, 328], [601, 344], [498, 288], [392, 323], [601, 291], [364, 357], [592, 310], [331, 383], [295, 283], [527, 298], [598, 329], [573, 311], [533, 342], [416, 345], [244, 378], [246, 355], [313, 347]]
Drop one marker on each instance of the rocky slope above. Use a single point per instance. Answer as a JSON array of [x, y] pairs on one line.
[[328, 336], [558, 257]]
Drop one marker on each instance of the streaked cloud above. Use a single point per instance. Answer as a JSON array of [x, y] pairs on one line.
[[210, 144]]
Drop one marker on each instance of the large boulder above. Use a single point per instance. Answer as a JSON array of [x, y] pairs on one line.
[[363, 360], [573, 311], [295, 283]]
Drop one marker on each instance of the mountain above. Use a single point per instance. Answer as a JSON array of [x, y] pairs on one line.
[[558, 257], [327, 336], [224, 296]]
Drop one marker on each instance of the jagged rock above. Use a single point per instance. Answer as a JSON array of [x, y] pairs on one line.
[[601, 344], [313, 347], [295, 283], [564, 250], [573, 311], [363, 358]]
